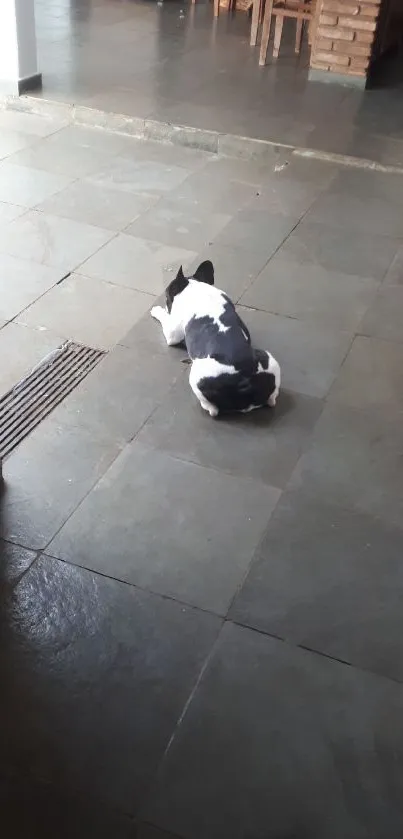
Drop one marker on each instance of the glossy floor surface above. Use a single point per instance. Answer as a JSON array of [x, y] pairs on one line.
[[170, 62], [201, 621]]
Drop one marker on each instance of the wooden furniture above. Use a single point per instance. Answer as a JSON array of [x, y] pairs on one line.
[[257, 10], [280, 9]]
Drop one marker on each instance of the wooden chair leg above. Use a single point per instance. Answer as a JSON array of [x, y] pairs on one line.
[[298, 36], [277, 35], [216, 8], [256, 12], [265, 32], [312, 30]]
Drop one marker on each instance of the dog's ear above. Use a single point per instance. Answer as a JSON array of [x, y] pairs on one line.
[[175, 287], [205, 273]]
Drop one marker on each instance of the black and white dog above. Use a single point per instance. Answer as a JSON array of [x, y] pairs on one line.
[[227, 374]]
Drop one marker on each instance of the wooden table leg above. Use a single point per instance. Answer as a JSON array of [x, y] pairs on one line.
[[298, 36], [265, 32], [256, 10], [278, 31]]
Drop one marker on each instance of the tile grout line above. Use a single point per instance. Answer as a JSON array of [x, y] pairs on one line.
[[224, 619], [301, 218], [182, 715]]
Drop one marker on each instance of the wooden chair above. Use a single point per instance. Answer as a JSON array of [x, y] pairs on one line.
[[279, 9]]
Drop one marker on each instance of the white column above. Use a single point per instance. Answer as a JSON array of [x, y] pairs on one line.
[[18, 55]]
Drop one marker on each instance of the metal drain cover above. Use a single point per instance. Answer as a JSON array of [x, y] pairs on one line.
[[35, 396]]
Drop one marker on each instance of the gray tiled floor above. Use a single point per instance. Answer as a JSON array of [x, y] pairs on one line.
[[169, 62], [204, 615]]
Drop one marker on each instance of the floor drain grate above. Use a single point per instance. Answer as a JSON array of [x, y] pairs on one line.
[[33, 398]]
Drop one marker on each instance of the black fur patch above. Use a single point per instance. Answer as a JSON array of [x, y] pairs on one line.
[[205, 273], [203, 338], [237, 391], [175, 287]]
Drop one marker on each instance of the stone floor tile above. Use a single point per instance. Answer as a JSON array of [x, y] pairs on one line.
[[308, 172], [23, 348], [14, 562], [208, 189], [29, 123], [330, 580], [110, 670], [13, 141], [311, 292], [353, 212], [310, 359], [180, 224], [368, 184], [85, 137], [288, 196], [150, 339], [131, 175], [346, 251], [168, 154], [93, 204], [150, 530], [371, 376], [8, 212], [118, 396], [355, 462], [26, 187], [258, 232], [50, 240], [253, 171], [234, 268], [264, 445], [63, 154], [88, 311], [122, 101], [394, 275], [384, 319], [297, 725], [338, 137], [41, 811], [137, 263], [46, 477], [22, 282]]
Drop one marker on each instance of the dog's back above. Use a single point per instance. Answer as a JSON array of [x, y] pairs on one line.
[[226, 370]]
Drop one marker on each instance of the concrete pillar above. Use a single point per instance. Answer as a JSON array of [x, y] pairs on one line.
[[18, 54]]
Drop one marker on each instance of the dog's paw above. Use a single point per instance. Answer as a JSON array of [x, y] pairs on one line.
[[157, 312]]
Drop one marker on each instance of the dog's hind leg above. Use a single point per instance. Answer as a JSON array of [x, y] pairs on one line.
[[194, 384]]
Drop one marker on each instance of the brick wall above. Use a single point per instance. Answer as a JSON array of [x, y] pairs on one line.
[[344, 36]]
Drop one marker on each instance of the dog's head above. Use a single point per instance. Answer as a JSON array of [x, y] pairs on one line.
[[204, 274]]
